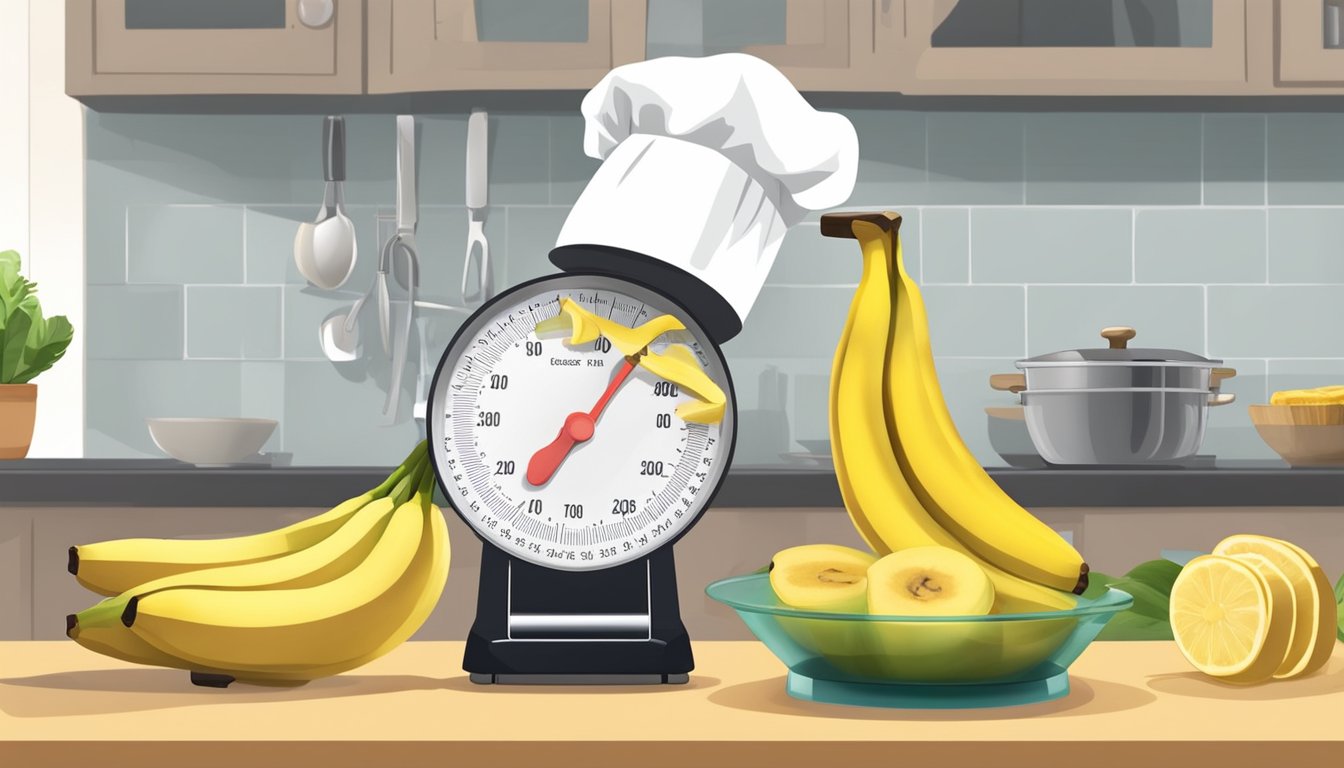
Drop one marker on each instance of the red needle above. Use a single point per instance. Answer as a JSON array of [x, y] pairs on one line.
[[578, 428]]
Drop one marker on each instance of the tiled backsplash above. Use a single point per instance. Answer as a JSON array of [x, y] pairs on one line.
[[1218, 233]]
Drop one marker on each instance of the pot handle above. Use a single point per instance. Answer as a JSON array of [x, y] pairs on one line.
[[1223, 398], [1218, 375], [1008, 382]]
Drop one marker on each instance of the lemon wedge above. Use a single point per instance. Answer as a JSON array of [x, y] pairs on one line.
[[1223, 616], [1313, 636]]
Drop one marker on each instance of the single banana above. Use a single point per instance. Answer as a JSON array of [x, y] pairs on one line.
[[113, 567], [943, 473], [100, 630], [312, 631], [876, 493]]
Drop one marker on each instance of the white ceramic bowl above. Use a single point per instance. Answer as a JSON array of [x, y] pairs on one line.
[[209, 442]]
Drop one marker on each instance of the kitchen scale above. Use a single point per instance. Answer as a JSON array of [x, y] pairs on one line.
[[577, 581]]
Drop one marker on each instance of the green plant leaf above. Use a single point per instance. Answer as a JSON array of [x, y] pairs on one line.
[[1132, 626], [14, 289], [42, 353], [1158, 574], [1096, 585], [1148, 602], [1339, 598], [13, 339]]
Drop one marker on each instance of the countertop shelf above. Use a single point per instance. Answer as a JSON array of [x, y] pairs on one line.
[[158, 483], [1130, 704]]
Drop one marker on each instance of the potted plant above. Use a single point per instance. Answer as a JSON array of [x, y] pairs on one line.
[[29, 345]]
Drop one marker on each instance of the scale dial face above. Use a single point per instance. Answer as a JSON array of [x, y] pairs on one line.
[[501, 393]]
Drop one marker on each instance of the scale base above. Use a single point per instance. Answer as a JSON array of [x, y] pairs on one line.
[[488, 679], [928, 696], [617, 626]]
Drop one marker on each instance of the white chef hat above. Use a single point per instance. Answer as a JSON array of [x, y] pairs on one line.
[[706, 164]]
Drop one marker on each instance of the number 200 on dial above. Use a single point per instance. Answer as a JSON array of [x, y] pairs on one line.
[[501, 394]]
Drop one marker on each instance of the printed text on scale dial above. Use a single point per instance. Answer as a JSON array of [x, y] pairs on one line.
[[616, 468]]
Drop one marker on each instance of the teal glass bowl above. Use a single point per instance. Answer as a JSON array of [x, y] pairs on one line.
[[925, 662]]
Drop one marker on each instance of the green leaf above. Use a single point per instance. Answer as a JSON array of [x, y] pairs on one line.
[[1158, 574], [42, 353], [1147, 601], [12, 341], [1132, 626], [1096, 585], [1339, 598]]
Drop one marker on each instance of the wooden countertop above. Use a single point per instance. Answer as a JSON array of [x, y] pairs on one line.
[[1130, 704]]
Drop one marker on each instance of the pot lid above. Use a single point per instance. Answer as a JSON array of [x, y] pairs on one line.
[[1120, 351]]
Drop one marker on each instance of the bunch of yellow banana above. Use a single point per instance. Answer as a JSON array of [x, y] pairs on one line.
[[316, 598], [906, 477]]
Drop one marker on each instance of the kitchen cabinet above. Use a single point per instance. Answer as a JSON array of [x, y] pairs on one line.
[[128, 47], [1310, 49], [451, 45], [821, 45], [1067, 47], [16, 573]]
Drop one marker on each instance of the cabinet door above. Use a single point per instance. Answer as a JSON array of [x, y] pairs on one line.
[[817, 44], [16, 574], [118, 47], [1310, 49], [1070, 47], [444, 45]]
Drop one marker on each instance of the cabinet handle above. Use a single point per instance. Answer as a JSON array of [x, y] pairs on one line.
[[316, 13]]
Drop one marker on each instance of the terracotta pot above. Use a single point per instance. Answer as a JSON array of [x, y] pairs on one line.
[[18, 411]]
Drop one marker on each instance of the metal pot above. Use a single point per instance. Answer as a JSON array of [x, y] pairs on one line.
[[1120, 367], [1117, 405], [1118, 426]]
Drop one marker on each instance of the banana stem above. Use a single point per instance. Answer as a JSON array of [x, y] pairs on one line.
[[410, 462], [426, 489], [410, 481]]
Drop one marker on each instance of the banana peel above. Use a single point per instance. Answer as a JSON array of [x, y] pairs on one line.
[[676, 364]]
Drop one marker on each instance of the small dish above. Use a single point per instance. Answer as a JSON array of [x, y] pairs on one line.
[[211, 442], [921, 662], [1304, 435]]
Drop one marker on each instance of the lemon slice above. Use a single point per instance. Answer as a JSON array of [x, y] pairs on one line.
[[1316, 612], [1223, 618]]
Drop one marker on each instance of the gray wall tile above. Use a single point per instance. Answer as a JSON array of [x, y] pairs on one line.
[[442, 245], [570, 168], [1305, 165], [1275, 321], [531, 236], [105, 244], [262, 396], [807, 258], [891, 156], [134, 322], [975, 158], [945, 240], [1044, 245], [338, 419], [269, 242], [519, 159], [1205, 245], [792, 322], [121, 394], [965, 386], [234, 322], [441, 167], [1069, 317], [1303, 374], [1306, 245], [1234, 159], [186, 244], [1108, 158], [976, 320]]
